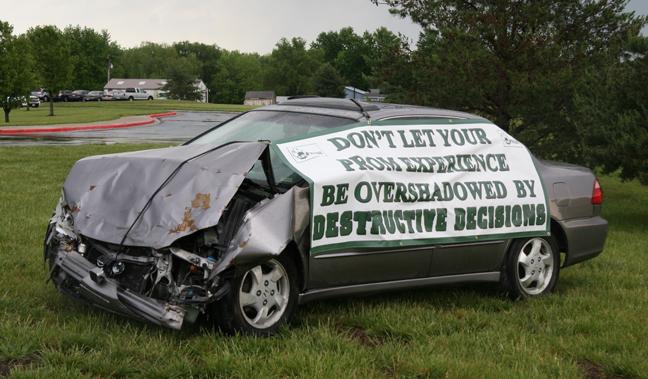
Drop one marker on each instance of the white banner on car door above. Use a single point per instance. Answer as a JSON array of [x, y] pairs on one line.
[[403, 184]]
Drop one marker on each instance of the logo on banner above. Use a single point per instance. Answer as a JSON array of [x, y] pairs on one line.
[[304, 153]]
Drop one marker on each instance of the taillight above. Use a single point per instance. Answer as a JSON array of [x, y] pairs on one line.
[[597, 193]]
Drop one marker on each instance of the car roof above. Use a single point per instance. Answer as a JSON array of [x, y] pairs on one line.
[[350, 109]]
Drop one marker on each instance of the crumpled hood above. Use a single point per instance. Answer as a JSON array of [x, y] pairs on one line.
[[107, 192]]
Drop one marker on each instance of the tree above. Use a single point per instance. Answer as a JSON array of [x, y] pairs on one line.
[[181, 84], [153, 60], [328, 82], [16, 78], [290, 68], [207, 56], [55, 63], [349, 53], [237, 73], [390, 62], [611, 115], [91, 51], [516, 62]]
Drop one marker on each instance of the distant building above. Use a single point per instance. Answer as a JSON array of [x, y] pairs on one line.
[[153, 87], [260, 98], [373, 95], [354, 93]]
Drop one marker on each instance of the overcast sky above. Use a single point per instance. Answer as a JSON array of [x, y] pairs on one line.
[[245, 25]]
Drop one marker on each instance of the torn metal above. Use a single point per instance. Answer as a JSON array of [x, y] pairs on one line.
[[154, 235]]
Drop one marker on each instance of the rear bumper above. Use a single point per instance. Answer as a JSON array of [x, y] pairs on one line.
[[585, 238], [77, 277]]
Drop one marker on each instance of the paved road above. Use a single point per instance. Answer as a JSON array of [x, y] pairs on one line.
[[176, 129]]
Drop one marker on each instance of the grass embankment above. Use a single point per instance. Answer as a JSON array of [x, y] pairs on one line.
[[594, 325], [66, 113]]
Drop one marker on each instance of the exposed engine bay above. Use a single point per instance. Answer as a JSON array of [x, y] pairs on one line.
[[175, 283]]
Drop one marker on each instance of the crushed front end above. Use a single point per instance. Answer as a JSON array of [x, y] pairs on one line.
[[167, 286], [153, 235]]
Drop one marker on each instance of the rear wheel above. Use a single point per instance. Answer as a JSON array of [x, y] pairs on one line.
[[532, 268], [261, 300]]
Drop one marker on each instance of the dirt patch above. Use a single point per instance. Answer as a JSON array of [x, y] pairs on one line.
[[592, 370], [7, 365], [360, 335]]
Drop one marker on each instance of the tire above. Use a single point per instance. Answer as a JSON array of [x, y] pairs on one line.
[[150, 98], [253, 292], [532, 267], [131, 98]]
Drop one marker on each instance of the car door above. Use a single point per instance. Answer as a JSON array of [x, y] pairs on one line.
[[361, 266], [466, 258]]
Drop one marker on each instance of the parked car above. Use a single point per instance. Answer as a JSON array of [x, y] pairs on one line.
[[222, 225], [34, 102], [42, 95], [78, 95], [94, 96], [68, 95], [131, 94]]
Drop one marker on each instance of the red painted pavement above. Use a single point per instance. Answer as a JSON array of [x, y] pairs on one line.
[[73, 128]]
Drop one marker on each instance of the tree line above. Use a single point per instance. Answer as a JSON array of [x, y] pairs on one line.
[[568, 78]]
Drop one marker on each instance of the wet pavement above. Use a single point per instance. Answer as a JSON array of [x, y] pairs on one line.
[[175, 129]]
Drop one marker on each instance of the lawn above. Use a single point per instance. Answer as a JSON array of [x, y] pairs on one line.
[[66, 113], [593, 326]]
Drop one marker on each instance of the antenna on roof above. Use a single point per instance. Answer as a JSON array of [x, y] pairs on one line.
[[362, 110]]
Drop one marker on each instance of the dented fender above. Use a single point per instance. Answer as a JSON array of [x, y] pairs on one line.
[[268, 228]]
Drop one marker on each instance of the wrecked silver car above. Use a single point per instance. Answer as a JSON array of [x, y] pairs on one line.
[[223, 226]]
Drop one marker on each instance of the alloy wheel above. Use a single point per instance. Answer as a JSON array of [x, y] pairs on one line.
[[264, 294], [535, 267]]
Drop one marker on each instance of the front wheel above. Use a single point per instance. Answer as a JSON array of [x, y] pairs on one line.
[[261, 300], [532, 268]]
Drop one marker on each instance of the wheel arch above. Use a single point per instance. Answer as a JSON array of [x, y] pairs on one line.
[[561, 238], [301, 262]]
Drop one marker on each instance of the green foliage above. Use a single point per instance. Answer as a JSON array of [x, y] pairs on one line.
[[16, 65], [208, 57], [612, 114], [91, 51], [349, 53], [290, 68], [153, 61], [517, 63], [181, 83], [328, 82], [237, 73], [54, 63]]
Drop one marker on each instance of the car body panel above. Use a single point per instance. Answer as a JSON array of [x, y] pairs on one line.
[[187, 187]]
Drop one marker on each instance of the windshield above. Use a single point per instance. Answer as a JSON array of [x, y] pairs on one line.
[[270, 126]]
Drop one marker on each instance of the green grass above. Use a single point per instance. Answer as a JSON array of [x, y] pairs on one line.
[[66, 113], [595, 323]]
